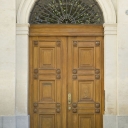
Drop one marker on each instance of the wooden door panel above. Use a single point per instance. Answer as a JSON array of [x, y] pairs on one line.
[[64, 68], [48, 71], [47, 58], [86, 120], [86, 57], [84, 83], [86, 91], [48, 54], [46, 91], [47, 121]]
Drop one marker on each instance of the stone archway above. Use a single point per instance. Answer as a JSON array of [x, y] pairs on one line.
[[22, 58], [26, 6]]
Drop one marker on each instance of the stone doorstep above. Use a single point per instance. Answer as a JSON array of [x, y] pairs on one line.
[[14, 121], [113, 121], [109, 121]]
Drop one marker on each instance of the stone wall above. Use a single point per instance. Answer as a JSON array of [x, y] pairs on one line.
[[7, 57], [120, 120], [115, 4], [122, 86]]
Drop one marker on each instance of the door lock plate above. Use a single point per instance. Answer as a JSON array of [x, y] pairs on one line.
[[69, 98]]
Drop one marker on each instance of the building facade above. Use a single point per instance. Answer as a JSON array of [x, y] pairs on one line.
[[14, 63]]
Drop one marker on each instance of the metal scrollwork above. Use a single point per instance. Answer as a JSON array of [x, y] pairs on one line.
[[66, 12]]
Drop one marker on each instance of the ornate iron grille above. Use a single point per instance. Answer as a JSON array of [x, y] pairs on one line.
[[66, 12]]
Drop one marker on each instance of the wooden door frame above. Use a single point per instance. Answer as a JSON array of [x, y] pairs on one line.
[[66, 30]]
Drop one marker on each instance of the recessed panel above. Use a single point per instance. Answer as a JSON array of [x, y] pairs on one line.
[[86, 90], [47, 91], [86, 121], [86, 57], [47, 121], [47, 57]]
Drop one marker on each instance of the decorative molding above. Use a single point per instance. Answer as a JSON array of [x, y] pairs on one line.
[[63, 30], [108, 11], [22, 29], [97, 43], [74, 71], [27, 5], [110, 29], [58, 71]]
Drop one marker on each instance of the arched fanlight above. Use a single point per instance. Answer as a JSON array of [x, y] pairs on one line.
[[66, 12]]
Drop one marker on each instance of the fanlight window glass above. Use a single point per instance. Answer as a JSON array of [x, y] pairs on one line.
[[66, 12]]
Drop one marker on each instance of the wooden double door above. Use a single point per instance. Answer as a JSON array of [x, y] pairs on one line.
[[66, 75]]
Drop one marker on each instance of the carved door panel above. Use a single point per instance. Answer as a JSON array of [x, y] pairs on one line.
[[48, 91], [84, 82]]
